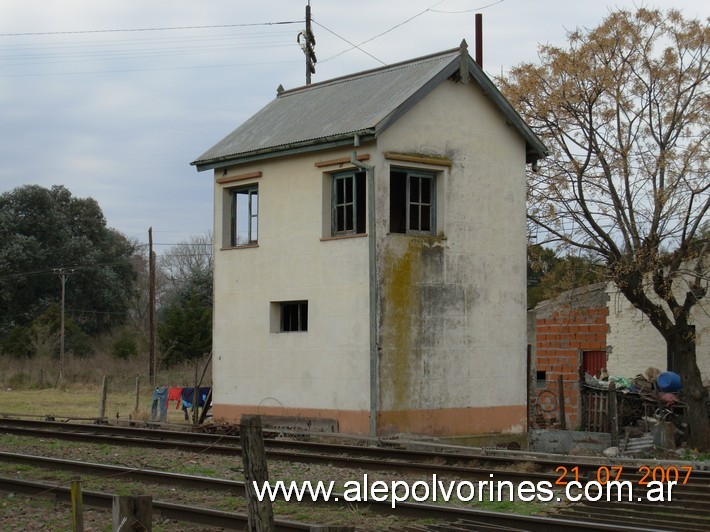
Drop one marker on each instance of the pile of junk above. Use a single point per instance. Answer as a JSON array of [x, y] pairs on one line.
[[651, 412]]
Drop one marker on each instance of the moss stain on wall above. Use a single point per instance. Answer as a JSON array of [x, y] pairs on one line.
[[402, 276]]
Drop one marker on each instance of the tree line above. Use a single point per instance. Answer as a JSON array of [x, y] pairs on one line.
[[47, 233]]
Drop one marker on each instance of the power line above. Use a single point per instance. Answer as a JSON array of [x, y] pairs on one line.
[[260, 63], [467, 10], [379, 34], [52, 271], [350, 43], [134, 30], [427, 10], [56, 57]]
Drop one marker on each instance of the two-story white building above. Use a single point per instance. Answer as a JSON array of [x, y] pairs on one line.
[[370, 263]]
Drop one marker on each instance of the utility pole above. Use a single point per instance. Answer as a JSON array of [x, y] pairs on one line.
[[63, 274], [308, 44], [151, 310]]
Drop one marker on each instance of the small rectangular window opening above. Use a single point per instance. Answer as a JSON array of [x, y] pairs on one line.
[[294, 316], [541, 375]]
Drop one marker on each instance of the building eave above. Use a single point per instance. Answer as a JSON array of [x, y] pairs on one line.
[[345, 139]]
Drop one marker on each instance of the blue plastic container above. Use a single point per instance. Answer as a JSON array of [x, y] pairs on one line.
[[668, 382]]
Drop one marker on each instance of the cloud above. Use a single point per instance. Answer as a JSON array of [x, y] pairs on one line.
[[118, 116]]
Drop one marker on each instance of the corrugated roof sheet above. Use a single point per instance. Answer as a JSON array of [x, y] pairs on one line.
[[338, 108]]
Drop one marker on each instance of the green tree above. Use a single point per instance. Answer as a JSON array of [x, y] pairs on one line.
[[42, 230], [550, 275], [185, 321], [624, 109], [42, 336], [185, 293]]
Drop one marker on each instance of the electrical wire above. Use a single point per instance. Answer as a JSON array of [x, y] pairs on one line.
[[134, 30], [347, 41], [28, 55], [354, 46], [467, 10], [427, 10]]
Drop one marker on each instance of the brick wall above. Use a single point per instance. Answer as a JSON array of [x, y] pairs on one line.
[[560, 338]]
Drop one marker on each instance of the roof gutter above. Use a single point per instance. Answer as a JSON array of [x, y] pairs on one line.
[[283, 150], [372, 272]]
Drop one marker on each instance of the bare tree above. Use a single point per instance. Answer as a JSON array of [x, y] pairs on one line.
[[624, 109], [185, 316], [187, 259]]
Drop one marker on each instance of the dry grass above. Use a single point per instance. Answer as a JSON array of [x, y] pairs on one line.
[[30, 386]]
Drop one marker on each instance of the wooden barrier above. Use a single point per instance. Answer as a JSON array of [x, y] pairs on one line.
[[261, 514], [77, 506], [133, 513]]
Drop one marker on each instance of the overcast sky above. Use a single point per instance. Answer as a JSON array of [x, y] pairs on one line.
[[114, 98]]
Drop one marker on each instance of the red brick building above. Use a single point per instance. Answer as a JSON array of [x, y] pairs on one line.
[[567, 337]]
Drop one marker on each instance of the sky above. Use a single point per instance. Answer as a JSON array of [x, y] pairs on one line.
[[114, 98]]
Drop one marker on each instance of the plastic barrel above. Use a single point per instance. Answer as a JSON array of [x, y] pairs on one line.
[[668, 382]]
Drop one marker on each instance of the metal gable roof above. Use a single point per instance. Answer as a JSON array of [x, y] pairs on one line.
[[333, 111]]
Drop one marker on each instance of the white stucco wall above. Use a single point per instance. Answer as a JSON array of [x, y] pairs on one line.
[[637, 345], [470, 351], [325, 367]]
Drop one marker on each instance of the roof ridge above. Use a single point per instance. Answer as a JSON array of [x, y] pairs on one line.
[[370, 72]]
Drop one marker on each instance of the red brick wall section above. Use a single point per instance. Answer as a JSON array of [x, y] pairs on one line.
[[559, 341]]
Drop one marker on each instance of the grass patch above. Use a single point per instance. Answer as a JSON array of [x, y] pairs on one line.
[[514, 507], [196, 470]]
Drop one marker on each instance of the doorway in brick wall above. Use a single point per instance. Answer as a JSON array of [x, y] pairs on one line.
[[593, 362]]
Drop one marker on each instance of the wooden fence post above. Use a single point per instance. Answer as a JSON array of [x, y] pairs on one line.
[[133, 513], [195, 398], [561, 402], [104, 393], [77, 506], [613, 413], [138, 391], [261, 514]]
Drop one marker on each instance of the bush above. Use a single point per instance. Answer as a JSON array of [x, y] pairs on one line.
[[17, 343], [77, 341], [124, 347]]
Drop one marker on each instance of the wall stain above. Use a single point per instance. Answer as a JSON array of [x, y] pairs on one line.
[[412, 272]]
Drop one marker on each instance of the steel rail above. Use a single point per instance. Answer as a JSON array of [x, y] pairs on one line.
[[343, 461], [340, 461], [178, 512], [164, 437], [229, 520], [689, 500]]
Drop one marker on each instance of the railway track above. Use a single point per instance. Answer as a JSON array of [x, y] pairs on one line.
[[688, 511], [292, 449], [450, 518], [165, 510]]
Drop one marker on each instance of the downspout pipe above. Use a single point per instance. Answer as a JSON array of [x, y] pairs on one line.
[[372, 241]]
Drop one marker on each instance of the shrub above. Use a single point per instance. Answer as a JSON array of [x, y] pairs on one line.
[[124, 347], [17, 343]]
